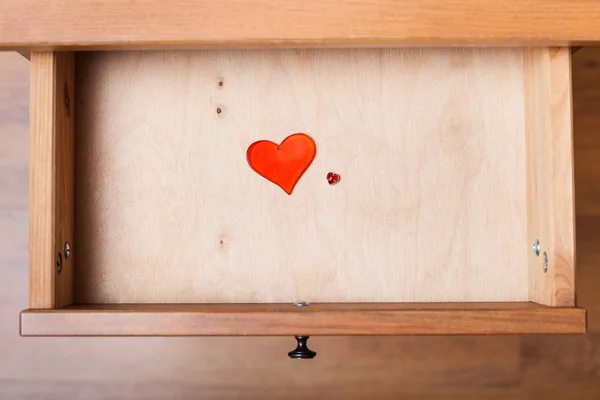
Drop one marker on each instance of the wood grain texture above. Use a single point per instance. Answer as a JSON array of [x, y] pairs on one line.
[[277, 319], [570, 361], [550, 205], [112, 24], [51, 178], [429, 145], [359, 367], [276, 307]]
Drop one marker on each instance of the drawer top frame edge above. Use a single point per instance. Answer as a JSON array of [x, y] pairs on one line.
[[112, 24]]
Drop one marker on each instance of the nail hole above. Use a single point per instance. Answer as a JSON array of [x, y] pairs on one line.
[[220, 83], [219, 111], [59, 263], [67, 102]]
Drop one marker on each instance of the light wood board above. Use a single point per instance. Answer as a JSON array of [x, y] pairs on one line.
[[143, 24], [51, 208], [430, 145], [317, 319], [550, 192]]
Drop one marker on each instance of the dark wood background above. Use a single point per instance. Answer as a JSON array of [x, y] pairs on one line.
[[504, 367]]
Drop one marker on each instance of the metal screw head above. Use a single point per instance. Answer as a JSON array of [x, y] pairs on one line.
[[301, 304], [67, 250], [59, 263], [545, 262], [536, 247]]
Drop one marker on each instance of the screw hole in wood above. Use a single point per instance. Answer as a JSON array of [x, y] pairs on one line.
[[59, 263]]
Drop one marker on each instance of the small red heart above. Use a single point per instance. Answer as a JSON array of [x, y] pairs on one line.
[[282, 164], [333, 178]]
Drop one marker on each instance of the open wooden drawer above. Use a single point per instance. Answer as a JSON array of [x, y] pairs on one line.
[[454, 213]]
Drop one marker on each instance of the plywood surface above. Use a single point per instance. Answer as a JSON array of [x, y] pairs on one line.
[[429, 144], [240, 23], [447, 367]]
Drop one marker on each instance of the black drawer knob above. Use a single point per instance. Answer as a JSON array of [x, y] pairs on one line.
[[302, 351]]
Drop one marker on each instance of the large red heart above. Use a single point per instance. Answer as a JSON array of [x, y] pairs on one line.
[[283, 164]]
